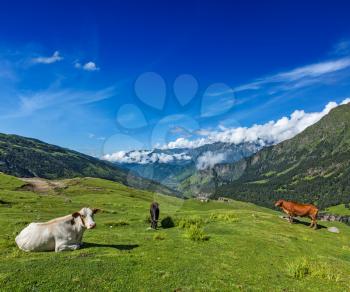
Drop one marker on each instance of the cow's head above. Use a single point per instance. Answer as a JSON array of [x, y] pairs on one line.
[[279, 203], [87, 217]]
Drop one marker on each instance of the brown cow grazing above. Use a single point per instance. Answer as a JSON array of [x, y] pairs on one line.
[[293, 209]]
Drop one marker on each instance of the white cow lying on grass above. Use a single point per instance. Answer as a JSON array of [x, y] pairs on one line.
[[64, 233]]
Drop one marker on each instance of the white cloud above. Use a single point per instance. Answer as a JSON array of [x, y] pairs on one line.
[[90, 66], [345, 101], [298, 77], [313, 70], [30, 103], [271, 132], [209, 159], [48, 60], [144, 157], [185, 143]]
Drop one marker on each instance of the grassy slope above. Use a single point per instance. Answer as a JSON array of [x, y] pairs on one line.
[[27, 157], [250, 253], [339, 210]]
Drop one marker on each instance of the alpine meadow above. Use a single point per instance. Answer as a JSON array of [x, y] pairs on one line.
[[176, 146], [246, 247]]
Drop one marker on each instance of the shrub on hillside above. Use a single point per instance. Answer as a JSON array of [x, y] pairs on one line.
[[304, 267], [228, 217], [159, 236], [167, 222], [326, 272], [299, 269], [188, 222], [196, 233]]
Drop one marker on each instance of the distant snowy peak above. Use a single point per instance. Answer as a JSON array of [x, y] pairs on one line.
[[225, 144], [145, 157], [203, 156]]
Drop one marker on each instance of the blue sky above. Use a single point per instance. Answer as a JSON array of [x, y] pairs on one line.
[[98, 77]]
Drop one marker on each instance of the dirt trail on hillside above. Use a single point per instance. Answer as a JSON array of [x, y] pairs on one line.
[[42, 185]]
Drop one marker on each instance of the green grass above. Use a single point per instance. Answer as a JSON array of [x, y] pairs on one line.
[[237, 246], [288, 169], [8, 182], [259, 182], [303, 267], [339, 210], [270, 173]]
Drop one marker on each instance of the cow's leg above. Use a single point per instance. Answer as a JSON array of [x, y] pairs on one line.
[[63, 246], [290, 219], [68, 247], [315, 219], [314, 223], [154, 223]]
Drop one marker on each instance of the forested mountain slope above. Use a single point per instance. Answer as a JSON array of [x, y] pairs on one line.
[[314, 166], [26, 157]]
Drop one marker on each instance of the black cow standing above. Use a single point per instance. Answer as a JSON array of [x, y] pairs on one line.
[[154, 210]]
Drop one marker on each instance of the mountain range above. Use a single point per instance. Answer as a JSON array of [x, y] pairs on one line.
[[314, 166], [27, 157], [172, 166]]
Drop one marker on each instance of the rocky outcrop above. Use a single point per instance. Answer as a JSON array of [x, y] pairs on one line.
[[332, 218], [333, 229]]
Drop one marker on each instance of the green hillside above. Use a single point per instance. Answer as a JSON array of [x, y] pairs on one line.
[[314, 166], [26, 157], [342, 209], [213, 247]]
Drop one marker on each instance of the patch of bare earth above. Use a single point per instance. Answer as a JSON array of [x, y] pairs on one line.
[[42, 185]]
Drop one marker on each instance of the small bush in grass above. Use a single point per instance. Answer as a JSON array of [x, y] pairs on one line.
[[167, 222], [188, 222], [228, 217], [116, 223], [304, 267], [159, 236], [326, 272], [196, 233], [345, 247], [299, 269]]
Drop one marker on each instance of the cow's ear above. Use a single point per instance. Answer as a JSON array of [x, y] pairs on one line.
[[76, 214], [95, 210]]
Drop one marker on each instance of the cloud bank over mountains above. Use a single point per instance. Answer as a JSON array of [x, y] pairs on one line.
[[272, 132], [144, 157], [209, 159]]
